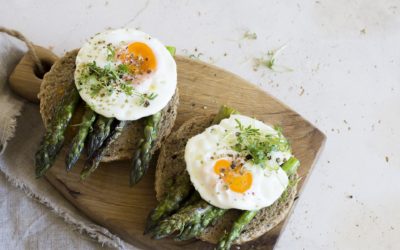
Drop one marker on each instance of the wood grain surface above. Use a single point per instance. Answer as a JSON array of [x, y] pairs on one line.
[[105, 196], [25, 80]]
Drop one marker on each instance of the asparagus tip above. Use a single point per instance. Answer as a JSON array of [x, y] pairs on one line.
[[68, 164], [150, 225], [85, 173], [134, 179], [40, 171]]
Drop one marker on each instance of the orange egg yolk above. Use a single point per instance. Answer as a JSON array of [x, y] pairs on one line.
[[139, 57], [234, 176]]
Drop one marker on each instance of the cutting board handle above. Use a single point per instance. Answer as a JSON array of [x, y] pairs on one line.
[[26, 78]]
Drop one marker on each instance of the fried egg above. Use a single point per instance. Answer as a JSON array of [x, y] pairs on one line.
[[225, 173], [125, 73]]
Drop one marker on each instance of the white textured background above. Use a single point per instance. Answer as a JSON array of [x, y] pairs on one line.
[[345, 57]]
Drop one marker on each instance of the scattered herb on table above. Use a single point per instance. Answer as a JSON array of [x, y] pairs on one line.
[[270, 61], [250, 35]]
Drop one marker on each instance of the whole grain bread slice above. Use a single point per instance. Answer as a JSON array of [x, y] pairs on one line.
[[61, 77], [171, 163]]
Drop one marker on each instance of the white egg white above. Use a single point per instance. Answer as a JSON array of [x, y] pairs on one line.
[[204, 150], [119, 104]]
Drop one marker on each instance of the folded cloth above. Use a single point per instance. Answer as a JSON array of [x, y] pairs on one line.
[[28, 225], [11, 106]]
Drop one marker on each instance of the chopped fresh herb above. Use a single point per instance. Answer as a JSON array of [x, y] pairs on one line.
[[128, 89], [95, 89], [146, 98], [122, 68], [150, 96], [270, 61], [255, 146], [110, 52], [250, 35]]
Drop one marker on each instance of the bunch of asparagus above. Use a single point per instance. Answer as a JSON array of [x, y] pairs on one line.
[[187, 220], [95, 132]]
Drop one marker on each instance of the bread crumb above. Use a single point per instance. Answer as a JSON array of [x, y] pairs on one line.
[[204, 107]]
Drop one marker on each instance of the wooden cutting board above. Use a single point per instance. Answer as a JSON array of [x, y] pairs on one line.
[[105, 196]]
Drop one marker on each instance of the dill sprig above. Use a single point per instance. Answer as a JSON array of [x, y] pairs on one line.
[[256, 146]]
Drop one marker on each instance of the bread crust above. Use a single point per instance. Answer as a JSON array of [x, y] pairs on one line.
[[61, 77], [171, 163]]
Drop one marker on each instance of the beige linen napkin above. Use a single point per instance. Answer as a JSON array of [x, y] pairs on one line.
[[20, 132]]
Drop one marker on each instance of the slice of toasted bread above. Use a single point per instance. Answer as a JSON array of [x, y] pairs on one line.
[[61, 77], [171, 163]]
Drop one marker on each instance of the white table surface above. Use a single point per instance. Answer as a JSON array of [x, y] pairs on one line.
[[345, 57]]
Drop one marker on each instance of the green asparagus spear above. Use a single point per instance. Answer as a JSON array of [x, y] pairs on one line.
[[78, 142], [188, 215], [224, 112], [291, 166], [101, 130], [54, 135], [244, 219], [142, 157], [93, 162], [209, 218], [178, 192], [173, 198]]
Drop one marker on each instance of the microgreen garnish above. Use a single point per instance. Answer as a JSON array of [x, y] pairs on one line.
[[108, 79], [255, 146], [146, 98], [270, 61], [110, 52], [123, 68], [250, 35]]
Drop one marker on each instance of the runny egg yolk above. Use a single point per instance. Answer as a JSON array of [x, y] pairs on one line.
[[139, 57], [234, 175]]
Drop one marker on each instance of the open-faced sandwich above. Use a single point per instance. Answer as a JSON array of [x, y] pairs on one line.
[[226, 179], [117, 97]]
